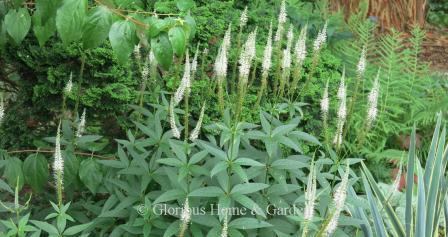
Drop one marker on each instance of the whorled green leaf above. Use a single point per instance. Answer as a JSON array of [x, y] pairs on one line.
[[96, 28], [122, 38], [90, 174], [36, 169], [207, 192], [73, 230], [18, 23], [247, 223], [162, 50], [70, 19]]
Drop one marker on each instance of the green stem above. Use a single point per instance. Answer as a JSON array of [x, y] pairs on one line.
[[81, 79], [187, 113], [263, 87], [310, 75], [235, 64]]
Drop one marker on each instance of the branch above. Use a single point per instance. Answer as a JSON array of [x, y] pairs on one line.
[[52, 151]]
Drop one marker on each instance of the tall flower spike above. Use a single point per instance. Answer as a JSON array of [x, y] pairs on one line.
[[225, 227], [69, 86], [325, 103], [226, 40], [247, 55], [82, 124], [195, 134], [310, 194], [58, 165], [221, 63], [300, 48], [243, 18], [342, 111], [339, 198], [361, 68], [137, 53], [373, 101], [251, 44], [184, 83], [282, 15], [185, 217], [174, 129], [341, 89], [290, 36], [145, 69], [267, 54], [194, 63], [321, 38], [2, 109], [286, 63], [281, 20]]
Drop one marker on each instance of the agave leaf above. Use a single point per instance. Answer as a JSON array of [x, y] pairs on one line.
[[396, 224], [377, 218], [410, 184], [434, 184], [420, 222], [432, 151]]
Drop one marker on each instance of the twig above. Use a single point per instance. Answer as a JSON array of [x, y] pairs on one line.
[[118, 12], [52, 151]]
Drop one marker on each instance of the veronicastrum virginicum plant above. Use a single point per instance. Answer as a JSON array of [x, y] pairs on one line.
[[261, 169]]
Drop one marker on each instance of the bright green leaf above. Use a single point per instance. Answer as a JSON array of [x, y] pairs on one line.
[[36, 169], [18, 23]]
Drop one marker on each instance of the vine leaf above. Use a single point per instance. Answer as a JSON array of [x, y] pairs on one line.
[[36, 169], [90, 174], [18, 23], [185, 5], [162, 49], [43, 31], [70, 19], [122, 37], [178, 40], [97, 27]]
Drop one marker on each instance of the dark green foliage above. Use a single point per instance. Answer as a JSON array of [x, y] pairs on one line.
[[107, 89]]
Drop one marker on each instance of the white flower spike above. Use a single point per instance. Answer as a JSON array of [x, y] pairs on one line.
[[82, 124], [184, 83], [267, 54], [361, 67], [372, 111], [58, 164], [174, 129], [243, 18], [69, 86], [325, 103], [300, 48], [195, 134]]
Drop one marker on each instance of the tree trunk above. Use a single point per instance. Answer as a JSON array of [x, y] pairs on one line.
[[398, 14]]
